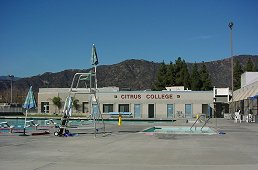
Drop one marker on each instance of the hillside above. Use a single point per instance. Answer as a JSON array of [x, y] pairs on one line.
[[129, 74]]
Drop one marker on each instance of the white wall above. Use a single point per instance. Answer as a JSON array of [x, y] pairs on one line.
[[160, 99], [248, 78]]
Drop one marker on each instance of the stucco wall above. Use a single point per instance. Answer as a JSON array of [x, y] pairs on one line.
[[160, 99]]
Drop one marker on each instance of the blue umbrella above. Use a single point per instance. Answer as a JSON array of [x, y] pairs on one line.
[[30, 101], [28, 104], [94, 62], [94, 56]]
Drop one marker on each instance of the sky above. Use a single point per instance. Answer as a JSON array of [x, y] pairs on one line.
[[38, 36]]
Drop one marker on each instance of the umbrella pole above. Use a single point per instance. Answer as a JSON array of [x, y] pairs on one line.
[[24, 127], [96, 81]]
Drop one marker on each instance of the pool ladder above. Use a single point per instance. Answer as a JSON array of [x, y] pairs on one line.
[[202, 115]]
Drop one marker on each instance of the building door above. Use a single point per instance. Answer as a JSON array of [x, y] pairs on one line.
[[137, 111], [170, 111], [220, 109], [95, 109], [205, 109], [151, 112], [188, 111]]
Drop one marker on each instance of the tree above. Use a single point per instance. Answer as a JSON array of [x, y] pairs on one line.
[[170, 74], [195, 78], [178, 75], [57, 102], [173, 75], [205, 78], [238, 71], [179, 72], [250, 66], [186, 75], [76, 104], [162, 80]]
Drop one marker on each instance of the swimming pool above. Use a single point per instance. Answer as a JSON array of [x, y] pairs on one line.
[[181, 130], [19, 122], [16, 125]]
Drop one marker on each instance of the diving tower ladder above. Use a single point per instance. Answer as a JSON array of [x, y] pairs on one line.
[[95, 114]]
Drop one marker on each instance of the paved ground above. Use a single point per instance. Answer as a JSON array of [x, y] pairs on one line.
[[123, 148]]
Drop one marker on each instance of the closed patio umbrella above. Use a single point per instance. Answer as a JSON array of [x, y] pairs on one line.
[[28, 104]]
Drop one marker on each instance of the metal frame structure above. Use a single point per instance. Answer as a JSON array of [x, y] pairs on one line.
[[95, 117]]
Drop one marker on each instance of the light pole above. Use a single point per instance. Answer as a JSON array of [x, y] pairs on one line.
[[232, 62], [11, 76]]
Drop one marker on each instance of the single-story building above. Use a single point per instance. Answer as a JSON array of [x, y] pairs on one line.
[[175, 102], [245, 99]]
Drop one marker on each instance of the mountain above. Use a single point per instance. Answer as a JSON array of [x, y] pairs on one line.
[[130, 74], [220, 70]]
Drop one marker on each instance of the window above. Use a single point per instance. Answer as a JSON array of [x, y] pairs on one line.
[[85, 107], [44, 107], [107, 108], [123, 108]]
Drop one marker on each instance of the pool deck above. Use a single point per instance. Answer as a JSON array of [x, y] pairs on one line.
[[124, 148]]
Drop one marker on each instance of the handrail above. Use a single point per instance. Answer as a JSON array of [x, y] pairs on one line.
[[205, 122], [195, 123], [79, 75], [197, 120]]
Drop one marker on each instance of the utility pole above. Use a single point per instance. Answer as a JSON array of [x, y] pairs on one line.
[[232, 63], [11, 77]]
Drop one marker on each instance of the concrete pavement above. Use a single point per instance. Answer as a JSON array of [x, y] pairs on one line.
[[125, 148]]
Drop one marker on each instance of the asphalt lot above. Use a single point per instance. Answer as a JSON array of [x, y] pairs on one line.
[[126, 148]]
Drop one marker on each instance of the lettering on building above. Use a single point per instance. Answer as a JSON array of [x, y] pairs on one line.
[[146, 96]]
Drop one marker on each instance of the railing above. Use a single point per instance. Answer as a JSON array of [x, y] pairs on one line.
[[205, 122], [202, 115], [4, 109]]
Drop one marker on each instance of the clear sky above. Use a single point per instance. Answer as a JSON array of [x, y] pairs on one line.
[[38, 36]]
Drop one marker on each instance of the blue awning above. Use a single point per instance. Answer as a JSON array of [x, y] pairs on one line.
[[253, 97]]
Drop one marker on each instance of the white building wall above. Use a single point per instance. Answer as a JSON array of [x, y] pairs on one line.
[[160, 99], [161, 110], [179, 109], [144, 111], [248, 78]]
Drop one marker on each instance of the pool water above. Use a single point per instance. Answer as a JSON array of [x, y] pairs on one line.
[[16, 125], [181, 130], [19, 122]]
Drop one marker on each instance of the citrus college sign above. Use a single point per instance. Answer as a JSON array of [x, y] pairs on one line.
[[146, 96]]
